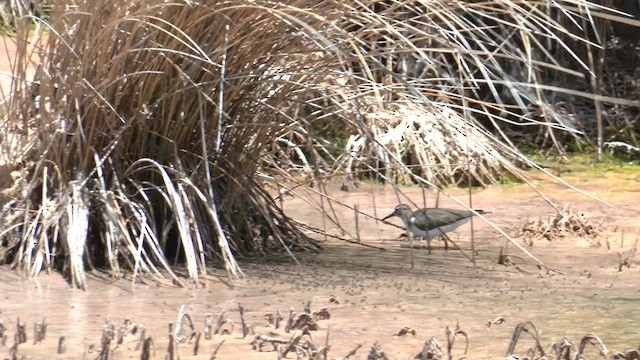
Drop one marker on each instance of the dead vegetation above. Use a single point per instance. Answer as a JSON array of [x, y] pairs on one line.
[[626, 258], [224, 326], [561, 225], [568, 225], [406, 330], [526, 342], [438, 145], [497, 321], [564, 349]]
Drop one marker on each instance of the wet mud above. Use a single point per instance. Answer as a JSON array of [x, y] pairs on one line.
[[371, 292]]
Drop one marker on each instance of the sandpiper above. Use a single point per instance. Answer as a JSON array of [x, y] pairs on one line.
[[431, 222]]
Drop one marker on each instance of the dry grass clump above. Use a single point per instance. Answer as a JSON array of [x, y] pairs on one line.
[[435, 143], [558, 226], [149, 122], [482, 77]]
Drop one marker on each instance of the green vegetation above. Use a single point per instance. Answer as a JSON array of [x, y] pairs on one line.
[[584, 167]]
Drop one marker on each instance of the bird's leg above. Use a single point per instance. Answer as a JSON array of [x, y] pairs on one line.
[[446, 240], [428, 246], [410, 234]]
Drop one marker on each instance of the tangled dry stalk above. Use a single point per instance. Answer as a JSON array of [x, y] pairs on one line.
[[560, 225], [185, 336]]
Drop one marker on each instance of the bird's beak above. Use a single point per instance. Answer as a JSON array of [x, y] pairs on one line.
[[389, 216]]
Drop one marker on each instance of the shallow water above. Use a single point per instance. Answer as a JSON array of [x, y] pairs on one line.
[[378, 291]]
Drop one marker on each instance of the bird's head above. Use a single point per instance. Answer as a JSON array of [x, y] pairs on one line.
[[400, 211]]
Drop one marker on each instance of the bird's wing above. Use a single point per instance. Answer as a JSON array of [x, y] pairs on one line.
[[433, 218]]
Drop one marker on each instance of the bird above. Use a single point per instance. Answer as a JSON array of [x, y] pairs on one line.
[[429, 223]]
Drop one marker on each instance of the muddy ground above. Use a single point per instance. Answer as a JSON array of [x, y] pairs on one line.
[[376, 290]]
